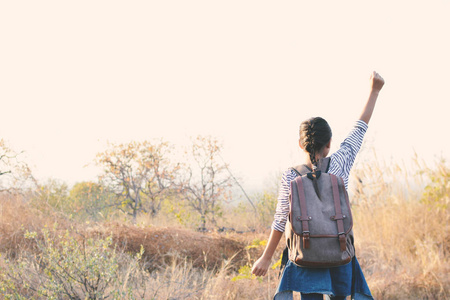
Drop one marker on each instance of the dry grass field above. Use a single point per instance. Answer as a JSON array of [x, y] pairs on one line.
[[402, 240]]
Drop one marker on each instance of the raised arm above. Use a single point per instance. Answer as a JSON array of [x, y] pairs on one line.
[[377, 83]]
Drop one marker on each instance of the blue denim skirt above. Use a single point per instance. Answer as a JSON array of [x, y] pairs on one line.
[[335, 281]]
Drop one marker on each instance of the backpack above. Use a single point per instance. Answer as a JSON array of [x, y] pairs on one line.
[[319, 226]]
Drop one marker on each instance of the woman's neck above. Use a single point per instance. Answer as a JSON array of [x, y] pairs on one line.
[[308, 160]]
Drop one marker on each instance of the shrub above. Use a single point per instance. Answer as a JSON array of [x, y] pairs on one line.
[[69, 268]]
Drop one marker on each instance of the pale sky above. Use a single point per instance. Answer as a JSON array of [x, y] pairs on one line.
[[77, 74]]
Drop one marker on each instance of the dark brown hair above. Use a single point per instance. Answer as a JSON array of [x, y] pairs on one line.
[[315, 133]]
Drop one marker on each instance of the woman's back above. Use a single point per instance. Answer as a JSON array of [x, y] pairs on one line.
[[315, 140]]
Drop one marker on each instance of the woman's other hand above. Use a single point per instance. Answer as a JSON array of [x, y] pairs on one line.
[[261, 266]]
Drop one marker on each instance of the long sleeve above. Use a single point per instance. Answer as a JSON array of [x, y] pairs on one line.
[[282, 210], [342, 160]]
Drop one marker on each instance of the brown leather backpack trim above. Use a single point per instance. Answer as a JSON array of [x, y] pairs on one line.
[[339, 216], [316, 264], [304, 218]]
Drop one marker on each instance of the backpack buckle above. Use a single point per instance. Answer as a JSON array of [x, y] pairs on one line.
[[342, 240], [338, 217], [305, 239], [313, 175]]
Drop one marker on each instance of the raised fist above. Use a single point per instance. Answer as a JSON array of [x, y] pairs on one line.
[[377, 81]]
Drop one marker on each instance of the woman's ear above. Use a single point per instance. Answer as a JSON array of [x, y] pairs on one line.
[[300, 144]]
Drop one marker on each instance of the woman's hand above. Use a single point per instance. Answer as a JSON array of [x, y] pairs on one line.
[[261, 266], [377, 81]]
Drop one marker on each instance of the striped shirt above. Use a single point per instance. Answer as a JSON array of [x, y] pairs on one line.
[[340, 164]]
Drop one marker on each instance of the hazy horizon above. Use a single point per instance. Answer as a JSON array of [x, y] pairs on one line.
[[75, 76]]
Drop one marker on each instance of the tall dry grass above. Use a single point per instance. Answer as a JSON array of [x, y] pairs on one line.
[[400, 222]]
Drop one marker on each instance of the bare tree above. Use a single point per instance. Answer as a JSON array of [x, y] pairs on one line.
[[207, 181], [140, 174], [15, 174]]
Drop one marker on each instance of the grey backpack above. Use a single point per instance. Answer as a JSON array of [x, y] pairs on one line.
[[319, 227]]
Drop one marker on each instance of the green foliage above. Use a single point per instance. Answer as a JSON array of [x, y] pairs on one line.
[[259, 215], [180, 213], [437, 192], [91, 200], [69, 268], [265, 205], [54, 193], [85, 201]]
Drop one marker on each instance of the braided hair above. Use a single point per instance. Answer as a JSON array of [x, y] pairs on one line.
[[315, 134]]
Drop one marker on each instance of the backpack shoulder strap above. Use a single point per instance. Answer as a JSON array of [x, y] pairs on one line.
[[301, 170], [324, 165]]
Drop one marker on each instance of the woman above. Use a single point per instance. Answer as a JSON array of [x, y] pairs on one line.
[[315, 140]]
